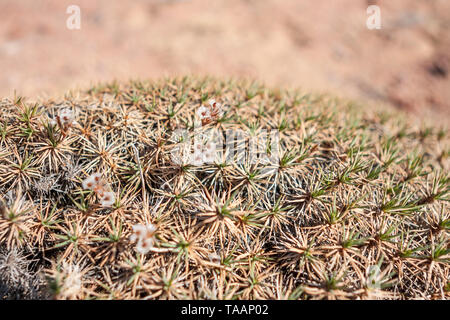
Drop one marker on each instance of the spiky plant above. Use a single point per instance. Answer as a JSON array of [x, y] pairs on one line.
[[342, 202]]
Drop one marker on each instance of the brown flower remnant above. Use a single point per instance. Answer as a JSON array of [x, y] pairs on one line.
[[210, 113], [101, 188], [145, 236]]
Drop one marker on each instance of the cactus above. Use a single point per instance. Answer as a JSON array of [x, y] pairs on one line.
[[343, 202]]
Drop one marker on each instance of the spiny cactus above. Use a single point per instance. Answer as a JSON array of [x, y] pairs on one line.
[[342, 202]]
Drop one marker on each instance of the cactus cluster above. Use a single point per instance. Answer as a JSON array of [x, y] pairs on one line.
[[355, 205]]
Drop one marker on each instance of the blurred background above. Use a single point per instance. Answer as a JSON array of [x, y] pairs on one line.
[[321, 45]]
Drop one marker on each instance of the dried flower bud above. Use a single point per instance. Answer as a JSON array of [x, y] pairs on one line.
[[210, 113], [108, 198], [145, 237], [92, 181], [101, 188], [203, 113], [66, 117], [214, 258], [144, 245]]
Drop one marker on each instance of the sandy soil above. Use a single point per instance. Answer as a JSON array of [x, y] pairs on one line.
[[322, 45]]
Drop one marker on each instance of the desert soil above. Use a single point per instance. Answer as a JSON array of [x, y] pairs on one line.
[[321, 45]]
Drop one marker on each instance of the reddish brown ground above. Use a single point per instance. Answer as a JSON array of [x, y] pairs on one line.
[[320, 44]]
